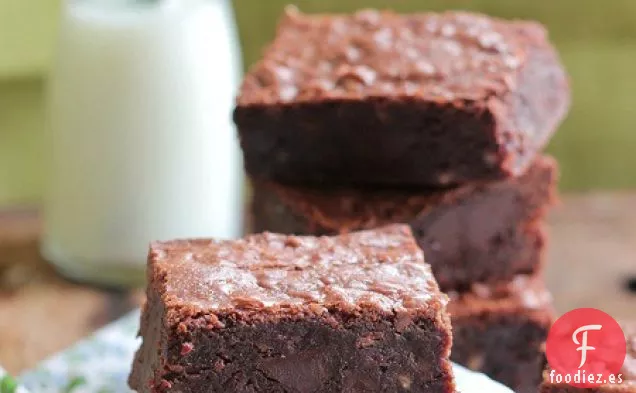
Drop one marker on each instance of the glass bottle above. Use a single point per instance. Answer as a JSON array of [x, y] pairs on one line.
[[142, 146]]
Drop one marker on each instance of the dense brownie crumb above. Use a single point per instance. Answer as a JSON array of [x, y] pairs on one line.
[[377, 98], [501, 331], [481, 232], [277, 313]]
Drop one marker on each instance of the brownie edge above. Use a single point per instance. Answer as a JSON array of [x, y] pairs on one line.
[[276, 313]]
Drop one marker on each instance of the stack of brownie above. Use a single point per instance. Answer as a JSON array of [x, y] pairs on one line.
[[351, 122]]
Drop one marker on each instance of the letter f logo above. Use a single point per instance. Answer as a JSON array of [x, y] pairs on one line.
[[583, 343]]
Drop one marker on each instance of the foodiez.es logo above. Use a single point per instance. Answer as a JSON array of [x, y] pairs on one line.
[[586, 348]]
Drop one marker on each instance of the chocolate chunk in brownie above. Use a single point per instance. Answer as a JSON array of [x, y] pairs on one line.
[[627, 383], [481, 232], [378, 98], [275, 313], [501, 331]]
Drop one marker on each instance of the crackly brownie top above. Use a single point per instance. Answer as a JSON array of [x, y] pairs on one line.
[[445, 57], [382, 269]]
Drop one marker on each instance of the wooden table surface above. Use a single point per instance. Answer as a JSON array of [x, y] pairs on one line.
[[591, 260]]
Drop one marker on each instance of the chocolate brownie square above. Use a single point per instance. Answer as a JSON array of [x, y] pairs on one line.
[[501, 331], [275, 313], [627, 383], [480, 232], [378, 98]]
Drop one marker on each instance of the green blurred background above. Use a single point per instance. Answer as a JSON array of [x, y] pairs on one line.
[[597, 40]]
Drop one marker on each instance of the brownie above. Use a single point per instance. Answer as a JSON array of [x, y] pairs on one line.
[[628, 372], [383, 99], [480, 232], [276, 313], [501, 331]]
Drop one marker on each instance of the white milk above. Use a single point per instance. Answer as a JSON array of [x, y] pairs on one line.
[[143, 147]]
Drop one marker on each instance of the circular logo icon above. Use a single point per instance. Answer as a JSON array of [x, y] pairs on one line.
[[586, 347]]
